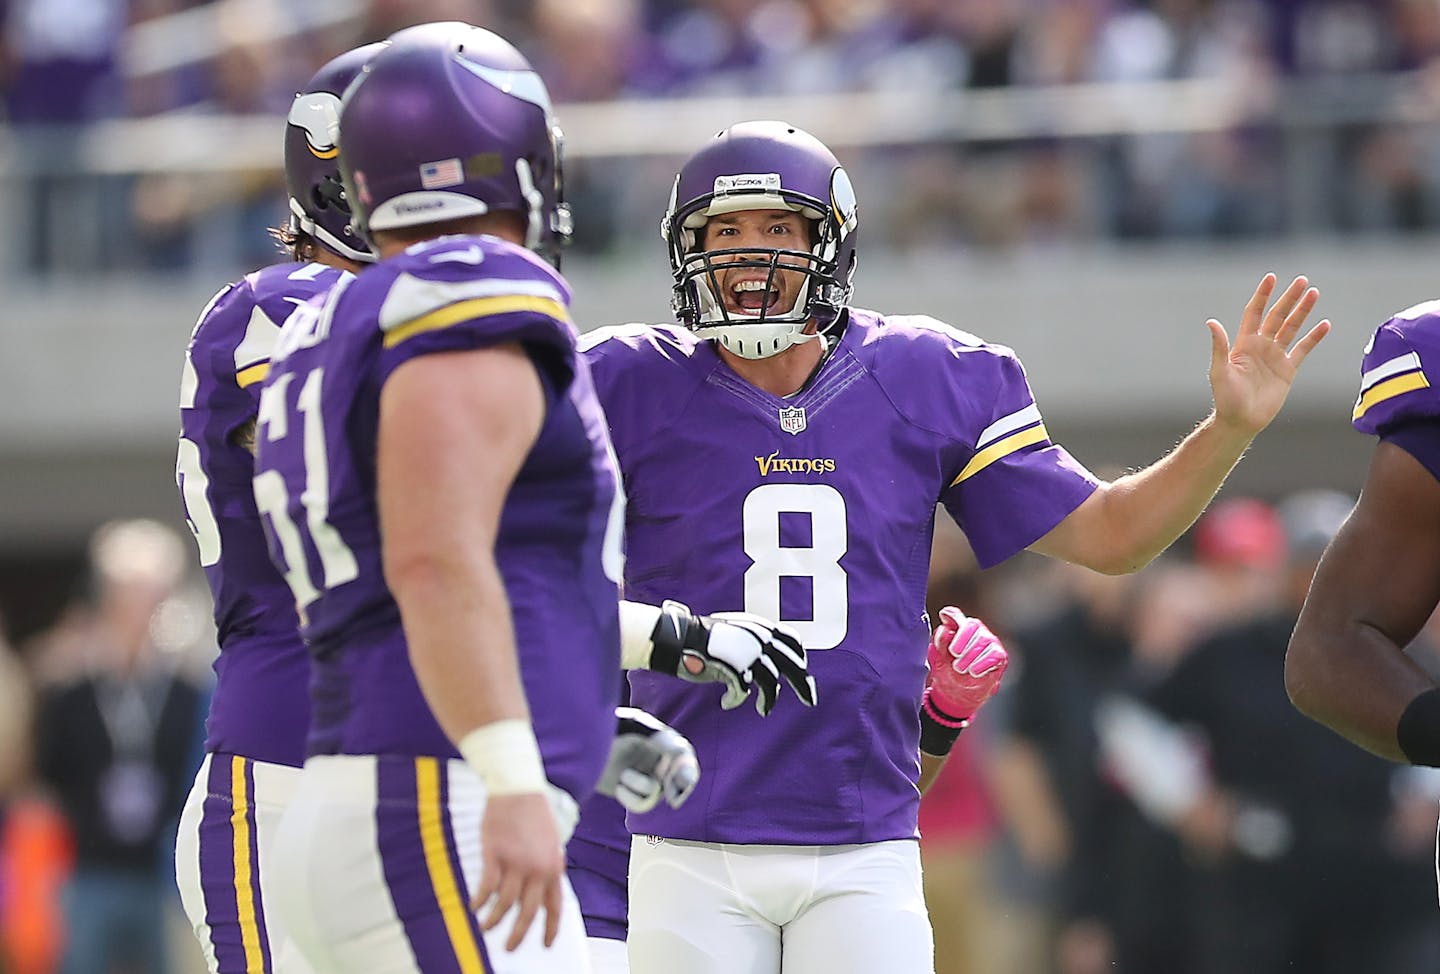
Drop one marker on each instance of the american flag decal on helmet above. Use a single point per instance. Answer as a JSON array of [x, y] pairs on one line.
[[437, 175]]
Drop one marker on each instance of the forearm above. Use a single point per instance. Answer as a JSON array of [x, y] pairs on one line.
[[461, 640], [930, 767], [454, 431], [1376, 587], [1354, 679], [1127, 523]]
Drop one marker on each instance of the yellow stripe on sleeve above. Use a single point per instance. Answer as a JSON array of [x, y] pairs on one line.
[[453, 908], [460, 311], [244, 888], [252, 374], [1389, 389], [1000, 449]]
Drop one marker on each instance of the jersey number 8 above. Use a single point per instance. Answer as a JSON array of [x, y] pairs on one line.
[[761, 516]]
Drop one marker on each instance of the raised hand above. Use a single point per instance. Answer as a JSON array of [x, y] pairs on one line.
[[649, 760], [743, 651], [1251, 378]]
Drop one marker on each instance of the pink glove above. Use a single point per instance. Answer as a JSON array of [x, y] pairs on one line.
[[966, 664]]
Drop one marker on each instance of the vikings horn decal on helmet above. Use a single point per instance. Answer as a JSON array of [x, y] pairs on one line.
[[318, 206], [452, 123], [762, 166]]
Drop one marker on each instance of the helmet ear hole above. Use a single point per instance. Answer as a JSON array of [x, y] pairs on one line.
[[329, 194]]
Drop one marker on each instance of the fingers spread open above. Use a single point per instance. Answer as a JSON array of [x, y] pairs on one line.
[[1307, 344], [1255, 308], [1283, 306], [1296, 318]]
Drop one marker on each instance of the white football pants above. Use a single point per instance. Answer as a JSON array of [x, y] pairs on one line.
[[376, 862], [709, 908]]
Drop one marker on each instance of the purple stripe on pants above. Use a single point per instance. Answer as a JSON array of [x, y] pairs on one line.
[[402, 858], [217, 866], [451, 849], [254, 817]]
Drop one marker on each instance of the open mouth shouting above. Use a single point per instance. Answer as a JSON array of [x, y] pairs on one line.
[[752, 297]]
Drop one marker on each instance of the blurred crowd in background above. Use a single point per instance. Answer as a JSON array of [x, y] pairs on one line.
[[1140, 798], [1319, 115]]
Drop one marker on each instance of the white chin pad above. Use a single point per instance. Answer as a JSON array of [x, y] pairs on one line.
[[757, 341]]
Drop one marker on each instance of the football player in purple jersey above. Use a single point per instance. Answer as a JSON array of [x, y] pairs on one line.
[[1379, 579], [255, 740], [437, 489], [783, 454]]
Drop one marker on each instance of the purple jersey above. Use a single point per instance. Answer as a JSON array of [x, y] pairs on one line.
[[260, 708], [817, 510], [1398, 401], [558, 541]]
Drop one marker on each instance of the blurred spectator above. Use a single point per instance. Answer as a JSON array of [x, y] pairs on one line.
[[1218, 183], [1292, 829], [1103, 861], [1240, 542], [1353, 150], [116, 746], [36, 855], [57, 71], [1054, 798], [713, 48], [957, 819], [957, 828], [16, 708]]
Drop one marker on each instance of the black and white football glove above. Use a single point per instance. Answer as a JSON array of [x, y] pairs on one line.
[[649, 760], [743, 651]]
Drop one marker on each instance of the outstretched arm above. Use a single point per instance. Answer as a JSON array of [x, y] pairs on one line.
[[1123, 525], [1377, 584]]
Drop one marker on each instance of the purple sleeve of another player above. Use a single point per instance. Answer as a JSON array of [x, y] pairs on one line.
[[541, 325], [1397, 401], [1011, 484]]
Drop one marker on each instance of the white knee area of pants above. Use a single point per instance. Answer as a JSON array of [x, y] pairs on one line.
[[335, 899]]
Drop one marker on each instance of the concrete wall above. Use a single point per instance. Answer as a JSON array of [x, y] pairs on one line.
[[1114, 341]]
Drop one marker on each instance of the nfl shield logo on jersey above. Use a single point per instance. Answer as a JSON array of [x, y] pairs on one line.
[[792, 421]]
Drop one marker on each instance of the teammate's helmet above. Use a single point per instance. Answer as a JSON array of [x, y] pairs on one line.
[[446, 124], [761, 166], [318, 206]]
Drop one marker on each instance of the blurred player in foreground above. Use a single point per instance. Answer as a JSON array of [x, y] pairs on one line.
[[1379, 580], [255, 739], [783, 454]]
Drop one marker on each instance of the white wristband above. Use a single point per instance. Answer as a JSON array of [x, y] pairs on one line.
[[506, 757], [637, 622]]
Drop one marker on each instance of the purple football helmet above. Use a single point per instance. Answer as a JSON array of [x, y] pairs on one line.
[[318, 206], [452, 123], [762, 166]]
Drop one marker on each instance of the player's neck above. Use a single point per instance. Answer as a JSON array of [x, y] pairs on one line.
[[780, 375]]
